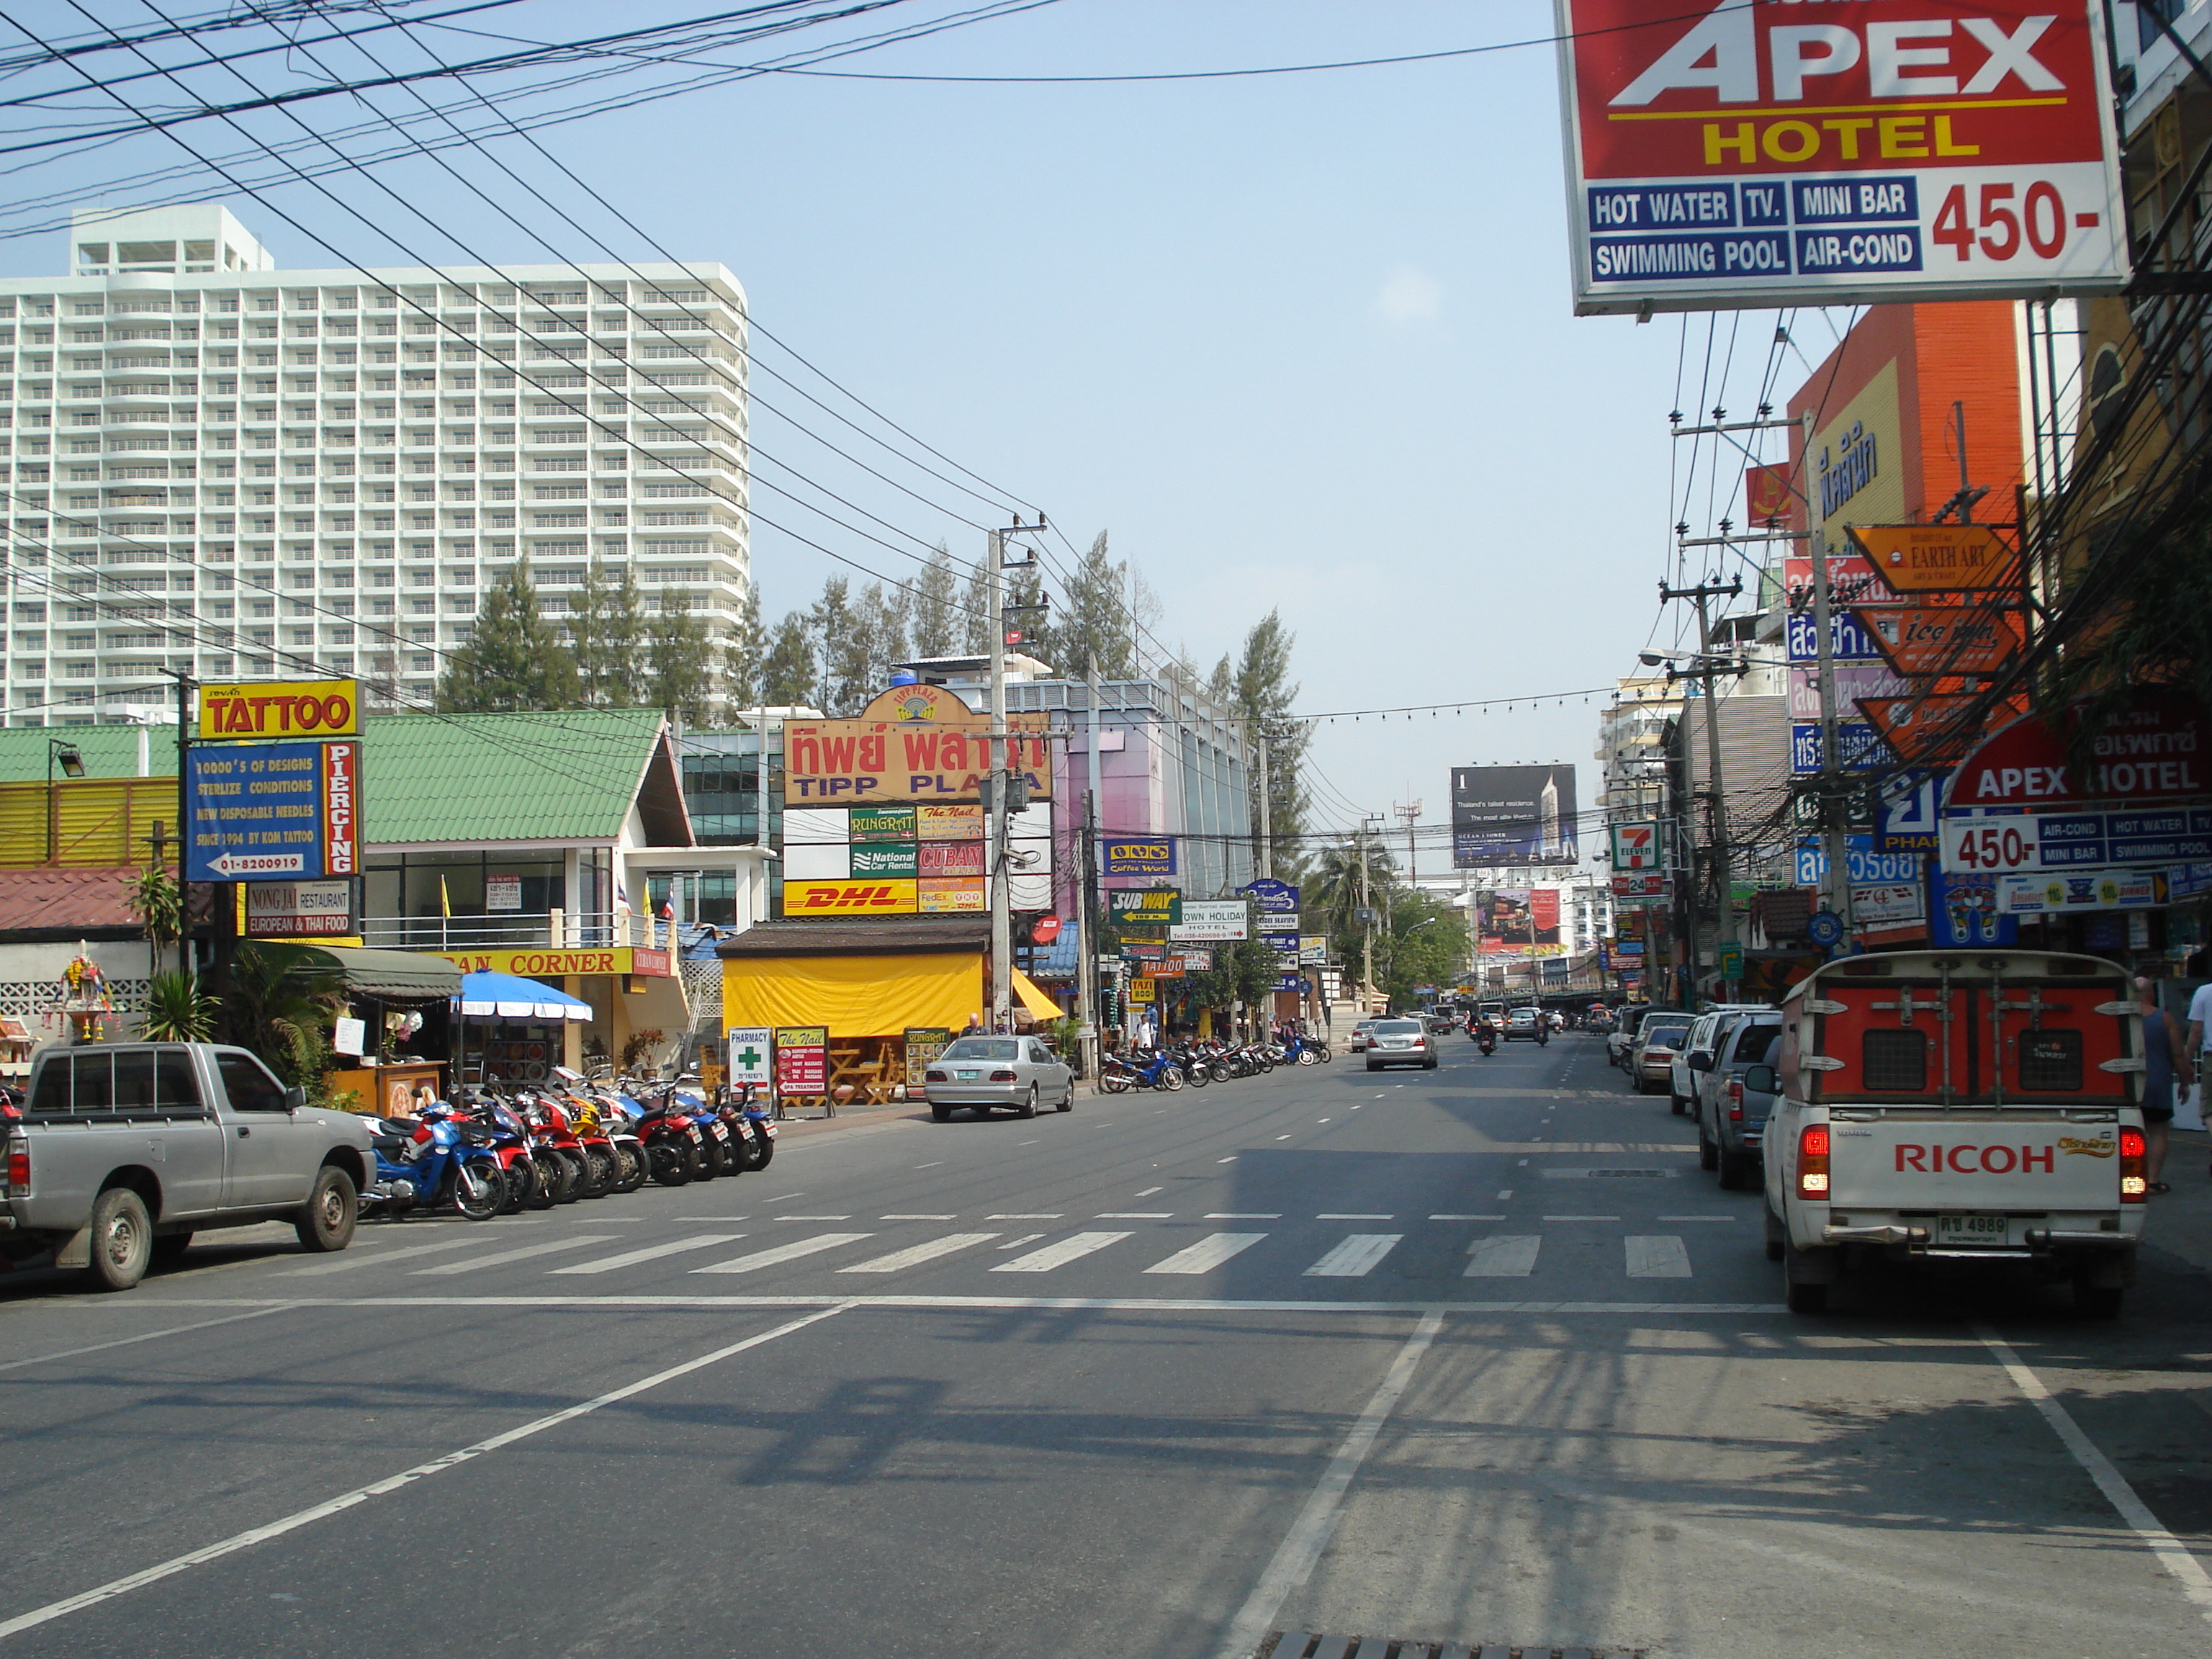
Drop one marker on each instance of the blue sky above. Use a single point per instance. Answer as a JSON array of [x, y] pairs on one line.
[[1302, 342]]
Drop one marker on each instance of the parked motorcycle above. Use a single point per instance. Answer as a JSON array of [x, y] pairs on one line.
[[437, 1159]]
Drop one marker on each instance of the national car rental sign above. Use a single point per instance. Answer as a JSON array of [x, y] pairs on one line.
[[1726, 154]]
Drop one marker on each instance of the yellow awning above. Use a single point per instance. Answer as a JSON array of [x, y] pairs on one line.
[[853, 996], [1026, 992]]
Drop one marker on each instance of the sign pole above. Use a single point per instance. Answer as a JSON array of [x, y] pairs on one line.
[[1836, 890], [995, 835]]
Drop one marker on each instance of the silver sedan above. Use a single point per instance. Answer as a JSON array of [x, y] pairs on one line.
[[1002, 1073], [1401, 1042]]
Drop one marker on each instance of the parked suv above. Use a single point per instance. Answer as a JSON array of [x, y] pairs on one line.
[[1620, 1041], [1730, 1121], [1704, 1036]]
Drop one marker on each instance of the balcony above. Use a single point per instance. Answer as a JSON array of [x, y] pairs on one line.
[[552, 929]]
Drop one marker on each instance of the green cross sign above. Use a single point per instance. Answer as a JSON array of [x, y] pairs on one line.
[[749, 1057]]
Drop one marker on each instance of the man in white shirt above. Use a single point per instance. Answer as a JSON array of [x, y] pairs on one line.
[[2200, 1017]]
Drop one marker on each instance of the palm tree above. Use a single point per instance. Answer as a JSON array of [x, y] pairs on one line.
[[281, 1001]]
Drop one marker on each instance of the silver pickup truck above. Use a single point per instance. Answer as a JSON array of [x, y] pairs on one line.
[[125, 1151]]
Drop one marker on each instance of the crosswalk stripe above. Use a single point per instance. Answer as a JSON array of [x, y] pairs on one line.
[[498, 1258], [607, 1264], [380, 1258], [1656, 1256], [1504, 1256], [915, 1255], [755, 1260], [1060, 1254], [1207, 1255], [1356, 1257]]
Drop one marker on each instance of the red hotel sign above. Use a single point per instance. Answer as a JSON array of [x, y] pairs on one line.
[[2154, 749]]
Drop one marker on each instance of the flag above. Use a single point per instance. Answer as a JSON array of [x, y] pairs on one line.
[[621, 895], [445, 900]]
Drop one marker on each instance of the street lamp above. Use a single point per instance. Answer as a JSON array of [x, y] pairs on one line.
[[72, 764]]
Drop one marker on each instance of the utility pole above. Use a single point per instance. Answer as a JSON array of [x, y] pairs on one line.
[[1002, 927], [1367, 921], [1087, 933], [1836, 883], [1702, 595], [1267, 815]]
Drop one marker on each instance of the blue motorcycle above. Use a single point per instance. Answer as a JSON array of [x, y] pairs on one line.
[[432, 1161], [1122, 1072]]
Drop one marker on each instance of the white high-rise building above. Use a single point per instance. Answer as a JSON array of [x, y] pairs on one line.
[[240, 472]]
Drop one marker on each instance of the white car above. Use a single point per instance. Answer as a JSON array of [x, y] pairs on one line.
[[1402, 1042], [1361, 1034], [998, 1073]]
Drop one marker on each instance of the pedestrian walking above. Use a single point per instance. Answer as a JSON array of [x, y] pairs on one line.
[[2158, 1082]]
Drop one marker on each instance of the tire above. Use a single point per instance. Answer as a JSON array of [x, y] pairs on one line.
[[479, 1189], [1067, 1100], [1676, 1104], [2097, 1301], [1808, 1298], [565, 1174], [1774, 1236], [1113, 1083], [122, 1240], [1028, 1107], [544, 1179], [706, 1160], [1735, 1171], [1708, 1154], [753, 1152], [1307, 1057], [169, 1248], [1430, 1064], [767, 1152], [1171, 1078], [1198, 1077], [670, 1168], [637, 1168], [942, 1114], [326, 1221], [1372, 1067], [600, 1172]]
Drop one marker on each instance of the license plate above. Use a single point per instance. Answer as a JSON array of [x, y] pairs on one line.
[[1969, 1230], [967, 1077]]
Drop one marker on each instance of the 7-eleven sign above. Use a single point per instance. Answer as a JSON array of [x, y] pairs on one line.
[[1636, 846]]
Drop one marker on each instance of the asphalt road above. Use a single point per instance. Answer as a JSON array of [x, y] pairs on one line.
[[1475, 1355]]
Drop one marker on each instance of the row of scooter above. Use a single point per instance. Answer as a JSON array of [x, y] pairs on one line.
[[1198, 1063], [496, 1151]]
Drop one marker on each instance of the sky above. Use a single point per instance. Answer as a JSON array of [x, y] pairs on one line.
[[1300, 342]]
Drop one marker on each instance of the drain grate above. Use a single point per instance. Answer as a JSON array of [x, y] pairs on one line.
[[1294, 1645]]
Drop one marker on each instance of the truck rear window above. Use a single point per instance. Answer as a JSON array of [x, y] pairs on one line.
[[141, 1080], [1894, 1060]]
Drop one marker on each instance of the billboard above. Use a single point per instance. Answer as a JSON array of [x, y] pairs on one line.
[[272, 809], [1520, 921], [1512, 815], [279, 708], [1722, 154], [1149, 855]]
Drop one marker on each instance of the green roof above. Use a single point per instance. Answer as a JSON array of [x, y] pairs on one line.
[[109, 751], [568, 775]]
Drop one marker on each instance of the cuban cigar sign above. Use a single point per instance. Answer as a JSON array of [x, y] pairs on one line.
[[254, 811], [1725, 154]]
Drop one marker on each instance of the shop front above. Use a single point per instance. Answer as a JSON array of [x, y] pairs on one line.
[[629, 992]]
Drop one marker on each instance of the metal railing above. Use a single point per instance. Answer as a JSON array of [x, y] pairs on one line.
[[555, 929]]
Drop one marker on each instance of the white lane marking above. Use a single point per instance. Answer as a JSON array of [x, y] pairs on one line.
[[915, 1255], [1699, 1217], [1295, 1558], [1134, 1215], [1059, 1255], [1332, 1215], [1321, 1120], [1148, 1192], [1207, 1255], [344, 1501], [1504, 1193], [1282, 1137], [753, 1260], [810, 1217], [1356, 1257], [126, 1341], [931, 1164], [785, 1198], [523, 1254], [2172, 1555], [1224, 1160], [1582, 1218], [1026, 1216], [1467, 1217], [1243, 1215], [381, 1258], [1357, 1104], [1655, 1255], [1504, 1256], [918, 1217], [607, 1264], [1016, 1243], [1026, 1143]]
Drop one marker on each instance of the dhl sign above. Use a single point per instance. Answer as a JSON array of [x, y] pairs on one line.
[[865, 763], [891, 897]]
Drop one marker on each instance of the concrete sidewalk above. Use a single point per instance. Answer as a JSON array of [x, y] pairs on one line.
[[2180, 1222]]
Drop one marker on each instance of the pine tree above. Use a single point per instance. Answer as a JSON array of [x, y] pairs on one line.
[[879, 621], [1095, 621], [626, 640], [1263, 698], [842, 654], [976, 626], [683, 659], [512, 659], [787, 677], [744, 654], [936, 607]]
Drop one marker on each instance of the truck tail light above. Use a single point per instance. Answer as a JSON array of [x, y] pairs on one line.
[[2135, 1172], [1003, 1076], [1813, 1162], [1735, 1100], [19, 1167]]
